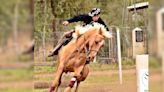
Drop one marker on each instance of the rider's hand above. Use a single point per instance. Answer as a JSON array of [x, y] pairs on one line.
[[65, 23]]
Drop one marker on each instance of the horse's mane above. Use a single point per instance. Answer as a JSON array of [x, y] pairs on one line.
[[79, 30]]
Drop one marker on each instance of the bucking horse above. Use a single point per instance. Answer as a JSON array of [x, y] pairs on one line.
[[76, 55]]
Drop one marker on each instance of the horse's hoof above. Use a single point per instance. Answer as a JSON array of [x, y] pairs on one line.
[[52, 89], [68, 89]]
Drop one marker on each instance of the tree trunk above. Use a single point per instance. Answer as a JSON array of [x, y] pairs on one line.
[[31, 7], [53, 12], [54, 20], [15, 29], [44, 30]]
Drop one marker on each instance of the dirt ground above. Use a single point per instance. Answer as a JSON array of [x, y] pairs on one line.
[[98, 81], [108, 81], [129, 85]]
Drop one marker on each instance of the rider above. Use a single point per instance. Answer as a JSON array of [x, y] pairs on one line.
[[92, 16]]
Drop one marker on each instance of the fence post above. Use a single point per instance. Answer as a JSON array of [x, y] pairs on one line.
[[142, 73], [163, 70], [119, 54]]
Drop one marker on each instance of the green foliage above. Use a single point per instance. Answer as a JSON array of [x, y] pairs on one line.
[[7, 17], [59, 10], [70, 8], [43, 20], [112, 14]]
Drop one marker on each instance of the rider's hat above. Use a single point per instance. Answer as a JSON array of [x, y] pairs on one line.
[[94, 12]]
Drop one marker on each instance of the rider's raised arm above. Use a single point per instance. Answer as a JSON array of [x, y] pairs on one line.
[[103, 23], [77, 18]]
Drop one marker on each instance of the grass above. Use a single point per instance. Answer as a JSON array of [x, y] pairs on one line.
[[40, 90], [102, 67], [98, 79], [44, 69], [11, 78], [107, 78], [17, 89], [154, 64], [93, 67], [91, 78], [8, 75], [43, 78]]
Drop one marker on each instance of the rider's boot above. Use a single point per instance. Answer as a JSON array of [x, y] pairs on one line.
[[62, 42]]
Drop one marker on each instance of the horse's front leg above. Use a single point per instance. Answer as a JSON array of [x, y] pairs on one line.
[[71, 84], [57, 80], [56, 89], [77, 86]]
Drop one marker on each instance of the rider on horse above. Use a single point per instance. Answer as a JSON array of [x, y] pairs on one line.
[[93, 16]]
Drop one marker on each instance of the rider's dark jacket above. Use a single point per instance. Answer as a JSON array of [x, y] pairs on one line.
[[86, 19]]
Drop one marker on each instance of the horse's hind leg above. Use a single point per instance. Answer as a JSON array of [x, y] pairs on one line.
[[77, 75], [80, 75], [57, 80], [71, 84]]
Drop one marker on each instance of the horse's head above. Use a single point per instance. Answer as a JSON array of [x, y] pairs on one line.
[[96, 42], [93, 37]]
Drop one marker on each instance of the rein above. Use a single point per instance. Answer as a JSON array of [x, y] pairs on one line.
[[90, 50]]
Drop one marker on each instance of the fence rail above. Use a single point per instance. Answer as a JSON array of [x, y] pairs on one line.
[[109, 51]]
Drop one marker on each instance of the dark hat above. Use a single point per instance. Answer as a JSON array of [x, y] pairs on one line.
[[94, 12]]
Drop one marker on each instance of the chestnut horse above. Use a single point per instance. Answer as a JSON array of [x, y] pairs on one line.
[[73, 57]]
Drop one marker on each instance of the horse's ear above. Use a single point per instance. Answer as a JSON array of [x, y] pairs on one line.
[[100, 31]]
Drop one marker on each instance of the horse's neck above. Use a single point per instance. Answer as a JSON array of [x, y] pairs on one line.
[[84, 39], [79, 44]]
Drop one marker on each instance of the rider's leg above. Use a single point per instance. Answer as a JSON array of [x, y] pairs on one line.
[[62, 42]]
